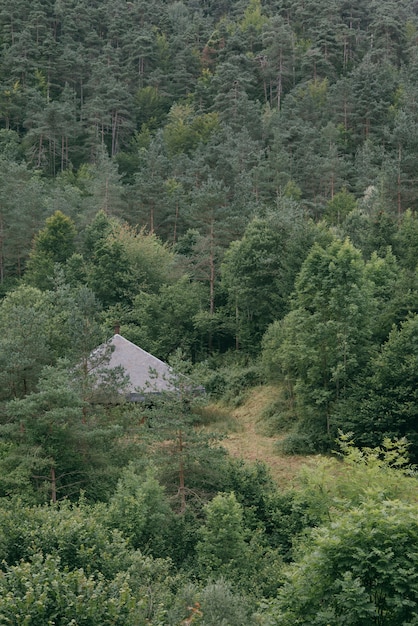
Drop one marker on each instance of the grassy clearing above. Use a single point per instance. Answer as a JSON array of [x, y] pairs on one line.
[[244, 428]]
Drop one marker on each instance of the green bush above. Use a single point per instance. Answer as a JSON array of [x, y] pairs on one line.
[[361, 569], [42, 591], [277, 416], [140, 510], [296, 443], [220, 606], [76, 534], [231, 383]]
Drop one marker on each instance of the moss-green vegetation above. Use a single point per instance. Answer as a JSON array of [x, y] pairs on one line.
[[234, 185]]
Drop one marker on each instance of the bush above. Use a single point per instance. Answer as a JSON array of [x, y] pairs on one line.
[[75, 534], [43, 592], [277, 416], [230, 384], [296, 443], [221, 607], [361, 569], [140, 510], [216, 604]]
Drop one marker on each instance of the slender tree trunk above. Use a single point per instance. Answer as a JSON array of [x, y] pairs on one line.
[[151, 219], [81, 99], [182, 490], [212, 269], [399, 179], [106, 198], [85, 384], [1, 252], [40, 150], [53, 485], [176, 217], [236, 326], [345, 53], [114, 132], [279, 82], [345, 114]]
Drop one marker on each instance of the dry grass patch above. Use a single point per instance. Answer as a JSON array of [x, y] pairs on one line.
[[244, 439]]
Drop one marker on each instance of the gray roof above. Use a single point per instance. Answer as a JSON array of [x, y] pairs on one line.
[[146, 373]]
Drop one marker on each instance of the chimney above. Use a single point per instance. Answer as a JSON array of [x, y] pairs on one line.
[[116, 328]]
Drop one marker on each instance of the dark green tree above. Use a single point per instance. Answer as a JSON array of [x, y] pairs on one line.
[[259, 272], [386, 406], [24, 341], [53, 245], [222, 547], [166, 321], [140, 509], [22, 210], [54, 447], [326, 336]]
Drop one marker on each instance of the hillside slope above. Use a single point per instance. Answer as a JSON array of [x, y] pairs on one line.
[[246, 440]]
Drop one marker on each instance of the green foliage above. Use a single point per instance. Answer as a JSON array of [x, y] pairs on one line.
[[325, 339], [381, 473], [259, 271], [73, 544], [24, 341], [205, 123], [76, 534], [221, 607], [53, 244], [278, 416], [41, 592], [222, 548], [230, 383], [57, 238], [272, 340], [406, 241], [275, 518], [58, 447], [150, 260], [140, 509], [339, 207], [387, 407], [74, 326], [22, 211], [359, 570], [188, 461], [185, 130], [166, 321], [96, 233], [356, 567], [215, 604], [226, 549], [110, 275], [385, 274]]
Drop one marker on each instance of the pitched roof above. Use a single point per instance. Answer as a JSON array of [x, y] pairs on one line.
[[146, 373]]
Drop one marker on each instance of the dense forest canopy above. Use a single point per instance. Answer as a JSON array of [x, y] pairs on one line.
[[196, 168], [235, 184]]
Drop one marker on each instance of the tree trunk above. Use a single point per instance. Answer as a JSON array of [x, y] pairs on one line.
[[176, 217], [182, 490], [212, 269], [53, 485], [236, 327], [399, 179], [1, 252]]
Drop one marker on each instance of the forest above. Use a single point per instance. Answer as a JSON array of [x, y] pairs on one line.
[[234, 184]]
